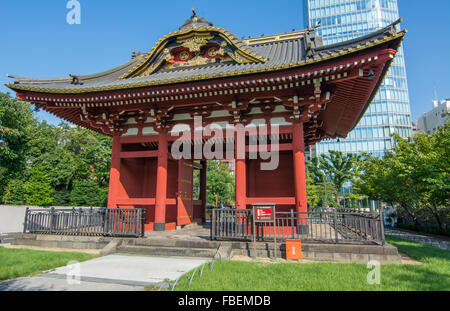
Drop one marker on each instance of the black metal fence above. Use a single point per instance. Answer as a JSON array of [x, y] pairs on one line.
[[85, 221], [330, 226]]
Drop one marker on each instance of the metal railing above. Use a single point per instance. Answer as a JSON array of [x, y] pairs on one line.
[[231, 224], [85, 221], [329, 226]]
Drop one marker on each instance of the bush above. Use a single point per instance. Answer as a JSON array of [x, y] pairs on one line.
[[61, 197], [15, 193], [85, 193], [38, 190]]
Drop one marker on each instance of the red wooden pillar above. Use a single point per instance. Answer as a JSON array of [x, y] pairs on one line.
[[114, 176], [161, 183], [240, 172], [203, 197], [301, 201]]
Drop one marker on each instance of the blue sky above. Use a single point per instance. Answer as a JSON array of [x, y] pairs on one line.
[[38, 42]]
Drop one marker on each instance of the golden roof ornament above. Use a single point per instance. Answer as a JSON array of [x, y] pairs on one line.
[[196, 21]]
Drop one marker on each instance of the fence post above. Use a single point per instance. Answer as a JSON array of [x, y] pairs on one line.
[[382, 226], [79, 220], [90, 218], [335, 225], [105, 221], [143, 212], [52, 215], [292, 224], [213, 223], [73, 221], [25, 223]]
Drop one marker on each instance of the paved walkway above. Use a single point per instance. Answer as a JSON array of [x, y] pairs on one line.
[[434, 240], [46, 283], [191, 232], [113, 272]]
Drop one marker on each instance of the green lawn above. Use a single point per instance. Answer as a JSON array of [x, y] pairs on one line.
[[24, 262], [433, 274]]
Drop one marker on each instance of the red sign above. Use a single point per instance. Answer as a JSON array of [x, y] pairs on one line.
[[264, 213]]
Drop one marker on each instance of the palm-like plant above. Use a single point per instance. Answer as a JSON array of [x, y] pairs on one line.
[[335, 167]]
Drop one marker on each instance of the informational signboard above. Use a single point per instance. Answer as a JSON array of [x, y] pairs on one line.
[[264, 213]]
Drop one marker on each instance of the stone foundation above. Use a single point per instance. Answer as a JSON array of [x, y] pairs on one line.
[[197, 247]]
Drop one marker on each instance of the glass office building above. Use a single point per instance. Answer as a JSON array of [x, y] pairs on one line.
[[389, 112]]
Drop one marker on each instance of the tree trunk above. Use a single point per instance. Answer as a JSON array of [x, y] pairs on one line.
[[435, 213], [410, 213]]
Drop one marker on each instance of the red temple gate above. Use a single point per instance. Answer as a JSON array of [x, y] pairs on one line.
[[297, 90]]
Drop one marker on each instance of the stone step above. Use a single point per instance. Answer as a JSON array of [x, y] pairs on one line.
[[208, 249], [167, 251], [171, 243], [320, 247], [74, 243], [6, 239], [321, 254]]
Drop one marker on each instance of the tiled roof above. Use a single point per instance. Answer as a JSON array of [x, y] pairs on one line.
[[264, 54]]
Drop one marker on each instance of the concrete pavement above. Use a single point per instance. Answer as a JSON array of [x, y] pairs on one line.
[[40, 283], [113, 272]]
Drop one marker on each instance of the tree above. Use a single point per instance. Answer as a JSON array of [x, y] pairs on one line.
[[415, 176], [220, 182], [424, 162], [339, 168], [71, 154], [314, 195], [382, 181], [61, 197], [85, 193], [16, 123], [14, 193], [38, 190], [335, 168]]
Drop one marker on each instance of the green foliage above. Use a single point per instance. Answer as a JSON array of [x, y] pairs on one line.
[[16, 124], [103, 195], [38, 190], [61, 197], [85, 193], [314, 194], [220, 183], [70, 153], [414, 177], [15, 193], [328, 173], [64, 155]]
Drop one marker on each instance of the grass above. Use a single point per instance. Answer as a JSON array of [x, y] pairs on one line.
[[433, 274], [24, 262]]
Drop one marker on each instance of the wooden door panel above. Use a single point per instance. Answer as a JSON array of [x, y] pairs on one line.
[[185, 192]]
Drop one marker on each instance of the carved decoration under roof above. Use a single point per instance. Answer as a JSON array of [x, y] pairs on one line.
[[197, 43]]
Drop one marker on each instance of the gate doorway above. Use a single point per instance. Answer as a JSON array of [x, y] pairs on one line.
[[213, 183]]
